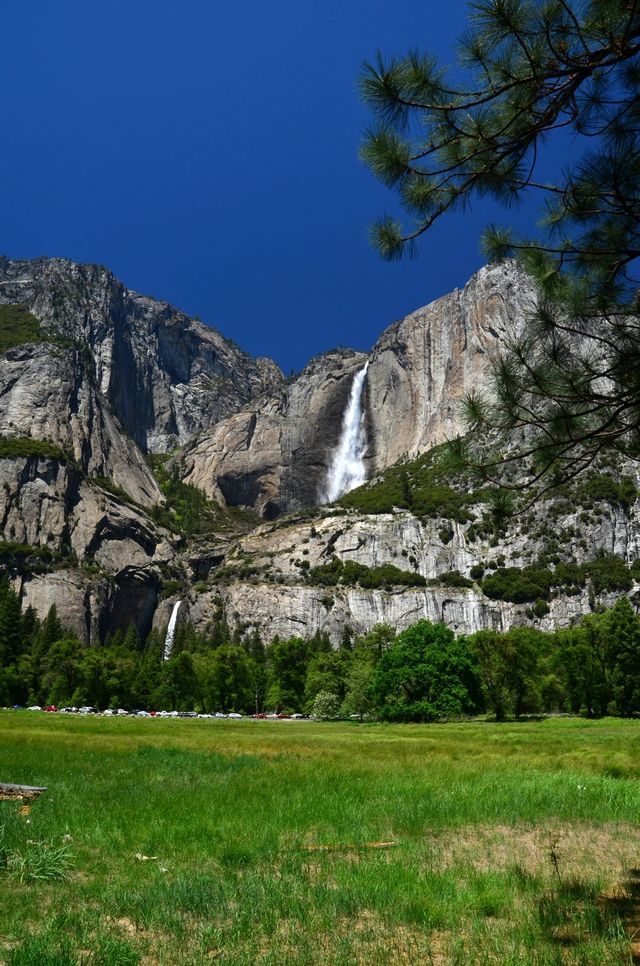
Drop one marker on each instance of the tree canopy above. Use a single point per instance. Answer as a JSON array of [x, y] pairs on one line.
[[531, 70]]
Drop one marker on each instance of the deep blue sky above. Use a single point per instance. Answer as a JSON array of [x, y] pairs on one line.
[[206, 152]]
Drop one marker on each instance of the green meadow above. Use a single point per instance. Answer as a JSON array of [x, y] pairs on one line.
[[239, 842]]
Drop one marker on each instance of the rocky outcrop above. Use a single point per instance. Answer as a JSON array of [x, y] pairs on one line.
[[48, 392], [274, 456], [267, 581], [106, 561], [165, 375], [299, 611], [422, 367], [93, 607], [124, 374]]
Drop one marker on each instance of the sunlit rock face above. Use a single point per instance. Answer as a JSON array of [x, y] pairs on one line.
[[276, 455], [423, 366], [164, 374], [280, 600], [128, 376]]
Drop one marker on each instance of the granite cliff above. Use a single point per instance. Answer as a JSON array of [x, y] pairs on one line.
[[119, 415], [274, 454]]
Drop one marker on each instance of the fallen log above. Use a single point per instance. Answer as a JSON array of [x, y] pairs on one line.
[[11, 792]]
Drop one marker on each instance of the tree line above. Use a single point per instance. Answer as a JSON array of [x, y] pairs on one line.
[[424, 673]]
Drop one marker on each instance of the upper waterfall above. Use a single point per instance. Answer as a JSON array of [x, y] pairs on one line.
[[346, 470]]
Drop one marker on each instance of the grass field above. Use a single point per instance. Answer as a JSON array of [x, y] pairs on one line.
[[188, 841]]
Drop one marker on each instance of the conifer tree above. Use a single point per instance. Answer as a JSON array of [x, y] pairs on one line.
[[623, 628], [531, 71], [11, 644]]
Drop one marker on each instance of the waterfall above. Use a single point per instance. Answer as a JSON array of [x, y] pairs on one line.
[[347, 465], [171, 630]]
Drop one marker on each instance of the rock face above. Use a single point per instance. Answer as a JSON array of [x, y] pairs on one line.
[[421, 368], [48, 392], [302, 611], [275, 455], [277, 597], [165, 375], [125, 375], [106, 559]]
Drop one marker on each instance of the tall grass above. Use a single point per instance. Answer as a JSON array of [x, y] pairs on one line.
[[227, 818]]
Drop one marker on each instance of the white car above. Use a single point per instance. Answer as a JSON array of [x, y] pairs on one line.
[[34, 707], [108, 713], [219, 714], [234, 714]]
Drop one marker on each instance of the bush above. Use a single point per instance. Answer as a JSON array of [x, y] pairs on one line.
[[602, 487], [18, 326], [354, 574], [453, 578], [541, 608], [607, 573], [106, 484], [25, 446], [25, 558], [188, 511], [420, 485], [518, 586]]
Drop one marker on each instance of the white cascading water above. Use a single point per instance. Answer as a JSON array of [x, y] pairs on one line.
[[347, 465], [171, 630]]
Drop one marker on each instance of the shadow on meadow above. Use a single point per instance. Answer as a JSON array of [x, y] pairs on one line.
[[624, 904]]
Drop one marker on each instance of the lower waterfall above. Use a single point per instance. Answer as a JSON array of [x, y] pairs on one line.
[[171, 630]]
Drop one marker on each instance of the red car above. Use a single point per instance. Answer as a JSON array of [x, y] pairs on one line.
[[51, 707], [260, 715]]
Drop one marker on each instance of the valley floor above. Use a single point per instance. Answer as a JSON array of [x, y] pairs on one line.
[[182, 842]]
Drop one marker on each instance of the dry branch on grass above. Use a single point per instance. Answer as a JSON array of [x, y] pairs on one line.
[[10, 792]]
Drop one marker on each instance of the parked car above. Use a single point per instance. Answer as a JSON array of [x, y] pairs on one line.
[[51, 707], [234, 714], [259, 714], [34, 707], [219, 714]]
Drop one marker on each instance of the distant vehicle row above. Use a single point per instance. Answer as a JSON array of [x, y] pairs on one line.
[[110, 712]]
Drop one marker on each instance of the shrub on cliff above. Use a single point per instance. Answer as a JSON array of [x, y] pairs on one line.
[[354, 574]]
